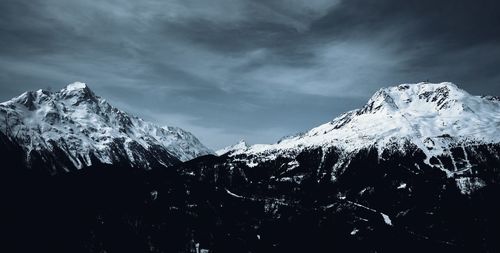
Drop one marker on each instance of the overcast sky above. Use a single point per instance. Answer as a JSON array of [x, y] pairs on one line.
[[234, 69]]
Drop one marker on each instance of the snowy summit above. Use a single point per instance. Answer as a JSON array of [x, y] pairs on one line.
[[76, 86]]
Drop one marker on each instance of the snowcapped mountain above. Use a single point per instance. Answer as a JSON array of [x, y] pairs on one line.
[[423, 113], [74, 128], [435, 117]]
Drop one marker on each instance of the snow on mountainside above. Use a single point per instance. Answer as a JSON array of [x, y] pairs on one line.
[[241, 145], [86, 127], [183, 144], [432, 116]]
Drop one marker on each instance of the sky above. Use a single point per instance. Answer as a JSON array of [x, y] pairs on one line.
[[257, 70]]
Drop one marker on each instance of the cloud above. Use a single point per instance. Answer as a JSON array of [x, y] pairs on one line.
[[233, 69]]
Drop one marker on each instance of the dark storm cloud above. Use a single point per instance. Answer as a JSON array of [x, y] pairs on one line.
[[232, 69], [438, 40]]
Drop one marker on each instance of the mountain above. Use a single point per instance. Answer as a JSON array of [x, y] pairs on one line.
[[416, 169], [438, 119], [74, 128]]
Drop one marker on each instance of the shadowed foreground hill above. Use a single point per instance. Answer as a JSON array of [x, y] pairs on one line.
[[119, 209]]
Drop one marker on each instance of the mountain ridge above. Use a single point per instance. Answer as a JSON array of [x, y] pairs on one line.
[[88, 129]]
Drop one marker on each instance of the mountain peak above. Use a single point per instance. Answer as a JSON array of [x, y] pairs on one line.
[[79, 89], [76, 86], [431, 96], [427, 91]]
